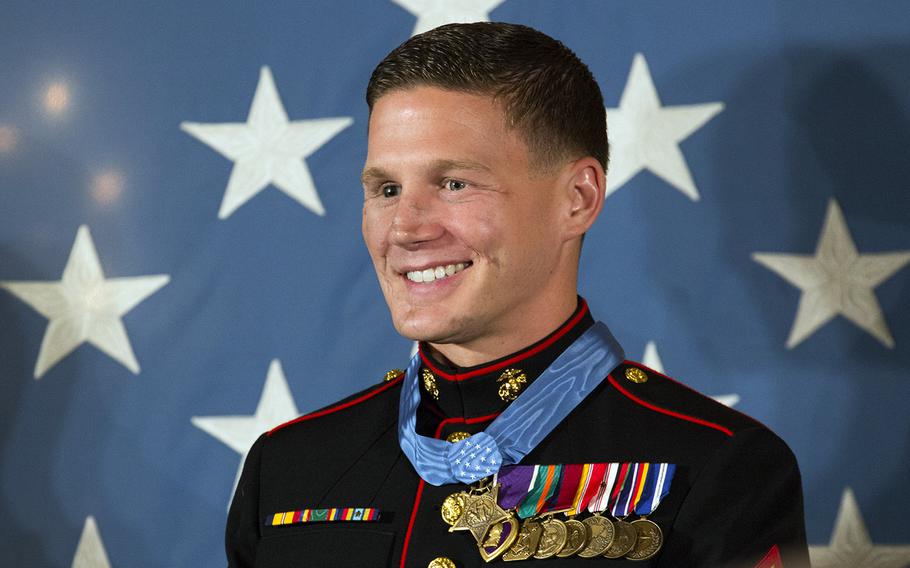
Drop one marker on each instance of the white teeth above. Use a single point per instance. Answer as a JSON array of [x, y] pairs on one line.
[[435, 273]]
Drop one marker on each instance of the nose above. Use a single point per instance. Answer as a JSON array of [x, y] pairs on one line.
[[416, 219]]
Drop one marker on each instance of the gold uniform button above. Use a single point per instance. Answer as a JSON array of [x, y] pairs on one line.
[[636, 375], [441, 562], [456, 437], [393, 374]]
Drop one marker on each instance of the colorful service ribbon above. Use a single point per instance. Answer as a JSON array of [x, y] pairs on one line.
[[624, 504], [618, 488], [336, 514], [546, 480], [621, 477], [564, 498], [590, 485], [659, 478], [601, 497], [514, 483], [518, 430], [646, 485]]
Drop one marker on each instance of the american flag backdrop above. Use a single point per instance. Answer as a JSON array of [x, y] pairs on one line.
[[182, 268]]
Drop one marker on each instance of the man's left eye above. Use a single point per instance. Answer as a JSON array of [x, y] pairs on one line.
[[455, 185]]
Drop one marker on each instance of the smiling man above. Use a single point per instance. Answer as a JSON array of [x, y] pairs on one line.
[[518, 432], [468, 234]]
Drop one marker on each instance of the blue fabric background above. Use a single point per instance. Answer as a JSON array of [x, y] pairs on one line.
[[817, 106]]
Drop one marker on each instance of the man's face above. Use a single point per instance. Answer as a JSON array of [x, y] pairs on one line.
[[464, 238]]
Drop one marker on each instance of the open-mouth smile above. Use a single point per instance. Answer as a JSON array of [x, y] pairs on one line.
[[433, 273]]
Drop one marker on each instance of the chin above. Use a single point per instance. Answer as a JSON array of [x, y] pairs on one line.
[[416, 331], [423, 324]]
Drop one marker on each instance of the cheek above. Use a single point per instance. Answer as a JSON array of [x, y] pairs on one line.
[[375, 233], [477, 228]]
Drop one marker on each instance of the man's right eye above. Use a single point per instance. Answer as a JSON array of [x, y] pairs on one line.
[[391, 190]]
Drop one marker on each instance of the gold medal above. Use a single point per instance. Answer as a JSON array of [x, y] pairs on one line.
[[624, 540], [552, 539], [499, 538], [525, 545], [453, 507], [577, 537], [600, 534], [480, 511], [648, 542]]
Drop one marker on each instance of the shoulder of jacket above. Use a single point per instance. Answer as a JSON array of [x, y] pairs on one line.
[[656, 392], [370, 400]]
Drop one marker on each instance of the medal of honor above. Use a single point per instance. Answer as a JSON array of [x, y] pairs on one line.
[[480, 512], [511, 436]]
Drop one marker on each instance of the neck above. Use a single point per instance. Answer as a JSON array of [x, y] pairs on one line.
[[513, 337], [452, 390]]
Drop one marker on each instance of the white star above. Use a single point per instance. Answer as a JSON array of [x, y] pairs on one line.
[[434, 13], [851, 546], [268, 148], [83, 306], [727, 399], [90, 551], [837, 280], [276, 406], [651, 359], [646, 135]]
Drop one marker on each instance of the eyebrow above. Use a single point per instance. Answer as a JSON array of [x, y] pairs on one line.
[[373, 173]]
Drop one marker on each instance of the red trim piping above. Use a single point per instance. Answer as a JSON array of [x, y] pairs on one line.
[[671, 379], [407, 535], [655, 408], [557, 335], [687, 387], [333, 409]]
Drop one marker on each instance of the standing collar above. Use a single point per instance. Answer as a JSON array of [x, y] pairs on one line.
[[485, 389]]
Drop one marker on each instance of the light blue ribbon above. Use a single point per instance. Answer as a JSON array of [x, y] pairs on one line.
[[518, 430]]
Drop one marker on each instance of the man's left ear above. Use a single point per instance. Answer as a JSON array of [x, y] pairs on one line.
[[585, 186]]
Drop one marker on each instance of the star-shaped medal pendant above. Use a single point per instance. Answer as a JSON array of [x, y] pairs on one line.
[[480, 512]]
